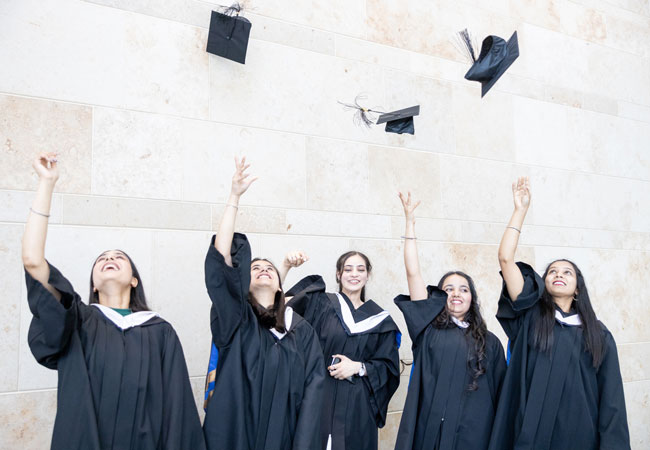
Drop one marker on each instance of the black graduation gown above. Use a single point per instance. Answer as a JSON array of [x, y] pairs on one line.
[[117, 389], [440, 412], [267, 391], [352, 411], [559, 402]]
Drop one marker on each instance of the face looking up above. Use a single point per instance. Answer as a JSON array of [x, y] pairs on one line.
[[264, 276], [113, 267], [561, 280]]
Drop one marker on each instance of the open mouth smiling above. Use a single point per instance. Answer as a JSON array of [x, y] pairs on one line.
[[110, 266]]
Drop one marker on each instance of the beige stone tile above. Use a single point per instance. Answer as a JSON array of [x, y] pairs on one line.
[[27, 419], [198, 389], [634, 360], [619, 282], [254, 220], [337, 175], [10, 286], [392, 170], [73, 251], [629, 35], [521, 86], [430, 229], [134, 213], [474, 189], [635, 6], [29, 126], [16, 204], [483, 127], [191, 12], [637, 404], [371, 52], [562, 96], [634, 111], [180, 296], [439, 68], [321, 223], [600, 103], [397, 402], [388, 434], [582, 22], [297, 36], [147, 64], [304, 99], [544, 14]]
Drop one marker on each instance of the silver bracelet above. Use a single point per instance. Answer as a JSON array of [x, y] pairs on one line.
[[38, 213], [516, 229], [234, 206], [411, 238]]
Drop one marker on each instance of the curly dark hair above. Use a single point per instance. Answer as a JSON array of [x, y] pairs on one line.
[[591, 330], [476, 332]]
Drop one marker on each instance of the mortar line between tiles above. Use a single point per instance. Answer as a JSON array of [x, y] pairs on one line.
[[355, 142]]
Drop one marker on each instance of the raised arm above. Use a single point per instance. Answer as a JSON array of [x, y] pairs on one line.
[[511, 273], [417, 287], [36, 227], [292, 259], [240, 183]]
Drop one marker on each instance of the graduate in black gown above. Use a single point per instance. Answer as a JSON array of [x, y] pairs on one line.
[[458, 365], [563, 389], [265, 390], [122, 378], [364, 339]]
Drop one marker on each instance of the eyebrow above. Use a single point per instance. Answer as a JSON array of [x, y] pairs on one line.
[[451, 285], [352, 265], [561, 267]]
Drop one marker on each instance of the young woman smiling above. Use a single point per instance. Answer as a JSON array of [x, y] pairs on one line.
[[122, 378], [563, 389], [458, 365], [360, 350]]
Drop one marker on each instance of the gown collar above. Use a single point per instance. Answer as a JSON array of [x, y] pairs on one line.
[[570, 319], [363, 325], [125, 322], [288, 318], [459, 323]]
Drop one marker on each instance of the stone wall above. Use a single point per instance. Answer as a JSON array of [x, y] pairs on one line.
[[147, 123]]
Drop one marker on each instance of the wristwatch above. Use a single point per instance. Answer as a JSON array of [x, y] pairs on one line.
[[362, 371]]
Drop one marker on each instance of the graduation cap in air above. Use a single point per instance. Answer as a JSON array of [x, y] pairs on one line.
[[493, 61], [399, 122], [229, 33]]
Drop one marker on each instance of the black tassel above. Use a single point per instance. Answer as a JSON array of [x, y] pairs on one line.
[[233, 9], [464, 39], [362, 115]]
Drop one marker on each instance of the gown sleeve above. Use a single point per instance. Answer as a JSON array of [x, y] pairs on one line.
[[612, 417], [53, 321], [419, 314], [309, 299], [228, 288], [510, 313], [382, 378], [181, 426], [307, 435]]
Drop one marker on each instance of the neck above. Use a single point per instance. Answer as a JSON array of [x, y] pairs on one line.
[[355, 298], [460, 317], [265, 298], [119, 300], [564, 303]]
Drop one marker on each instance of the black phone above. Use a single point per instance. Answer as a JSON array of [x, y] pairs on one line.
[[336, 360]]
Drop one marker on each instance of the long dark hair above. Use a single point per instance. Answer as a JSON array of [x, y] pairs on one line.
[[274, 316], [591, 329], [476, 332], [138, 301], [340, 263]]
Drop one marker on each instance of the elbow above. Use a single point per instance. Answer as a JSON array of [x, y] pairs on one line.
[[32, 261], [505, 260]]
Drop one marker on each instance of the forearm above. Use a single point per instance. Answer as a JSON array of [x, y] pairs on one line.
[[283, 270], [511, 273], [223, 242], [36, 227], [416, 285]]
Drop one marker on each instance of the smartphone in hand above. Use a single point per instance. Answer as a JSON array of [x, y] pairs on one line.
[[336, 360]]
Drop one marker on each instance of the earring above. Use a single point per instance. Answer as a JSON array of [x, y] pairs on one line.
[[575, 297]]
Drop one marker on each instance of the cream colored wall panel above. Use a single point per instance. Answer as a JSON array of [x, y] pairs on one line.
[[641, 7], [104, 56], [483, 127], [192, 12], [521, 86], [397, 401], [337, 175], [392, 170], [371, 52], [253, 219], [30, 126], [198, 390], [16, 204], [634, 111], [300, 89], [629, 35], [545, 13], [126, 212], [600, 103], [582, 22], [635, 361], [637, 403], [321, 223], [439, 68], [27, 420], [476, 189], [388, 434], [10, 285], [180, 294], [73, 251], [297, 36]]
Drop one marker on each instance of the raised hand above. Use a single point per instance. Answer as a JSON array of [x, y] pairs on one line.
[[521, 193], [46, 166], [295, 258], [409, 206], [240, 180]]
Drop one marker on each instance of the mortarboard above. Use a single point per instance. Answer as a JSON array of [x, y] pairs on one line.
[[228, 35], [400, 121], [493, 61]]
